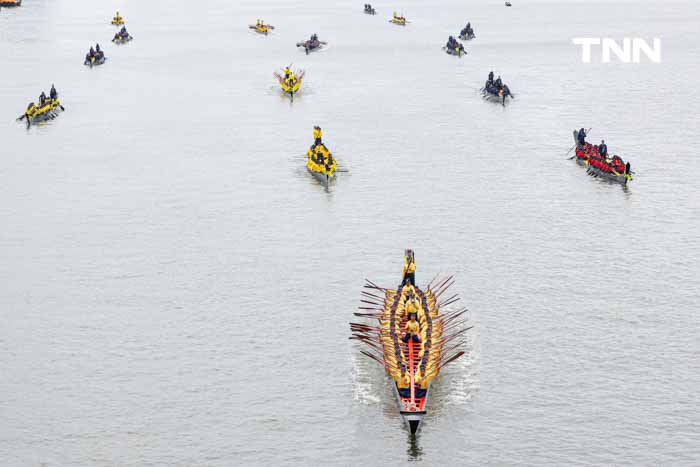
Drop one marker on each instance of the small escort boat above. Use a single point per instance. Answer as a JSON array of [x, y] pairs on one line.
[[413, 339], [615, 169]]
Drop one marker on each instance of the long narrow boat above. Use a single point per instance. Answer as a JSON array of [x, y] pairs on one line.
[[312, 45], [398, 20], [292, 86], [615, 169], [412, 365], [48, 111], [261, 28], [320, 163], [10, 3], [492, 93]]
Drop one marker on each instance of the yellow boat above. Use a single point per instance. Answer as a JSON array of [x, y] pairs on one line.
[[399, 20], [412, 354], [292, 84], [262, 28], [321, 164], [48, 111]]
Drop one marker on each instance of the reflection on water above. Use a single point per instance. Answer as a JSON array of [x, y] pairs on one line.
[[414, 450]]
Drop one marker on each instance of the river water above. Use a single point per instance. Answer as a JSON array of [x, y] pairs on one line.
[[175, 288]]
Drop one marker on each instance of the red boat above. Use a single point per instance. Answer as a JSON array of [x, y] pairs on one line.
[[614, 169]]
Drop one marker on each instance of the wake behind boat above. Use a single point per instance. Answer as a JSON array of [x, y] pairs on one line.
[[412, 338], [595, 159]]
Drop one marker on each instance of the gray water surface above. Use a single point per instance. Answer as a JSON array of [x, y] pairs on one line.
[[175, 288]]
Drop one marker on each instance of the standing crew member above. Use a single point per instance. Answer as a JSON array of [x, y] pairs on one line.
[[53, 93], [318, 134], [409, 269], [581, 137], [603, 149]]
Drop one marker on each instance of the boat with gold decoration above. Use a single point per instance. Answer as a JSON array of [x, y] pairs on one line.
[[413, 338]]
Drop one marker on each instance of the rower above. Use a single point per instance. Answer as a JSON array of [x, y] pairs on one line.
[[31, 108], [42, 98], [490, 81], [314, 37], [603, 149], [412, 330], [97, 48], [92, 52], [499, 83], [53, 93], [412, 305]]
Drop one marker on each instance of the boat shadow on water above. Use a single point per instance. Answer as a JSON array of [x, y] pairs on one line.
[[413, 450]]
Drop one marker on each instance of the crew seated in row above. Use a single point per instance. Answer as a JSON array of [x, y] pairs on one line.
[[33, 109], [314, 38], [368, 8], [453, 44], [260, 23], [321, 160], [467, 31], [121, 35], [412, 330], [399, 18], [95, 53], [117, 18], [497, 85]]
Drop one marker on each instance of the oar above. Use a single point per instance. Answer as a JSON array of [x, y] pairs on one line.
[[575, 144]]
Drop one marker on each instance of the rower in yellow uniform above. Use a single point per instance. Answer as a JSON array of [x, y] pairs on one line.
[[318, 134], [117, 20], [412, 331], [412, 305]]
